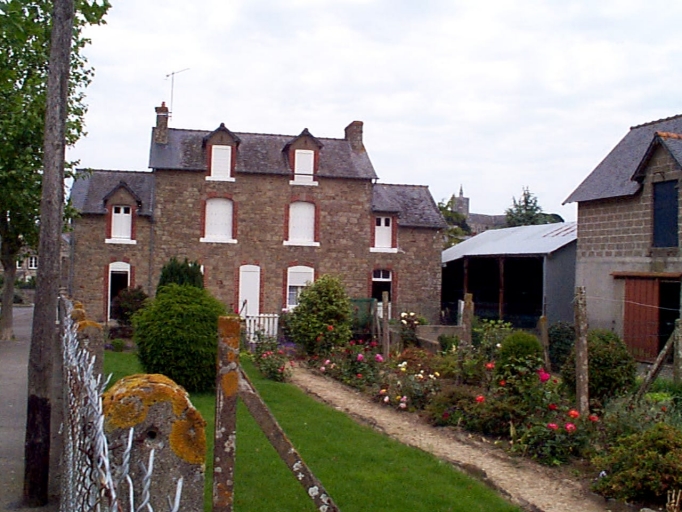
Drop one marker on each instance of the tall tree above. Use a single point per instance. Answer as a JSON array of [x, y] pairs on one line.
[[527, 212], [41, 92], [457, 228], [25, 27]]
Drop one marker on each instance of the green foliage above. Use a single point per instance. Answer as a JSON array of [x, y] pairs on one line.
[[561, 341], [526, 211], [356, 363], [25, 27], [457, 228], [411, 384], [182, 273], [323, 317], [612, 370], [447, 342], [271, 360], [408, 327], [118, 345], [553, 441], [128, 302], [176, 335], [644, 466], [520, 345]]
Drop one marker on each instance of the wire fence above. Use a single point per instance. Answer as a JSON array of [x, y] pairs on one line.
[[89, 483]]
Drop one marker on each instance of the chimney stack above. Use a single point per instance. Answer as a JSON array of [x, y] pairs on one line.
[[161, 130], [354, 135]]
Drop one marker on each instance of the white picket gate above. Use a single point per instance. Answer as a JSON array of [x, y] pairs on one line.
[[261, 325]]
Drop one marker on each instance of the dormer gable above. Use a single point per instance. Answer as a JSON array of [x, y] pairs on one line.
[[672, 142], [221, 153], [118, 195], [303, 155]]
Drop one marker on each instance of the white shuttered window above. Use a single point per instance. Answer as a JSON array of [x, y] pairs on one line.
[[301, 223], [221, 163], [218, 227], [383, 232], [121, 223], [297, 278], [304, 164]]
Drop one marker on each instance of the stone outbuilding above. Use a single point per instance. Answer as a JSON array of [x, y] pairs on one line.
[[628, 256]]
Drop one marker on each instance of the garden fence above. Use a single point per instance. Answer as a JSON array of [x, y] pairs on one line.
[[88, 482], [261, 325]]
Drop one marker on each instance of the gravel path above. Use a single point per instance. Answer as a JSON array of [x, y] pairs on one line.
[[533, 487]]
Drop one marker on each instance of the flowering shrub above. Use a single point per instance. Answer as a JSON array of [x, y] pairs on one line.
[[272, 361], [408, 327], [356, 363], [408, 390]]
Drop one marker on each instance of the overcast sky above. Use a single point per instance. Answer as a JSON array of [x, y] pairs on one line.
[[492, 96]]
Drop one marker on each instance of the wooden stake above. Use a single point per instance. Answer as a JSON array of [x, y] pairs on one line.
[[581, 355]]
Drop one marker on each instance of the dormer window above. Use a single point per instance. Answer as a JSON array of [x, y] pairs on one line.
[[220, 168], [384, 235], [121, 225], [304, 167]]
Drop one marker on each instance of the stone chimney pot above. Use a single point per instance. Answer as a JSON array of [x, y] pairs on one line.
[[161, 130], [354, 135]]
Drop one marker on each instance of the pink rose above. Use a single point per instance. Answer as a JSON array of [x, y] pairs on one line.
[[552, 426], [570, 427], [379, 358], [361, 357]]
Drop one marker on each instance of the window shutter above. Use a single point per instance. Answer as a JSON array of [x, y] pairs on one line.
[[218, 219], [304, 164], [301, 276], [301, 222], [121, 223], [383, 233], [221, 161]]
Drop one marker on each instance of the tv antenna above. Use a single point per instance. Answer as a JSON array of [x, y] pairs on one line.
[[172, 77]]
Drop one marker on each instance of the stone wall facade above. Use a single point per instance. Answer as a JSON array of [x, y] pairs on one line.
[[344, 230]]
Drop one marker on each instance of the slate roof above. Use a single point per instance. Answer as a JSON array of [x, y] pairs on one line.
[[259, 154], [92, 186], [413, 204], [536, 240], [615, 175]]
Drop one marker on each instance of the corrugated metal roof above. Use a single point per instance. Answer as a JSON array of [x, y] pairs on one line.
[[523, 240]]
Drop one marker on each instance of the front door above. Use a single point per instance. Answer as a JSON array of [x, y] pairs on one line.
[[249, 290]]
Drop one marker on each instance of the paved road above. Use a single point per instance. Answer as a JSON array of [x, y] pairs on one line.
[[13, 382]]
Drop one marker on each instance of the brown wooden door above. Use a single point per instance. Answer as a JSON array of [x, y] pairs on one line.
[[640, 330]]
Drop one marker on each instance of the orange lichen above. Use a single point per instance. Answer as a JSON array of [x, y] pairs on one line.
[[83, 324], [229, 383], [78, 314], [127, 403]]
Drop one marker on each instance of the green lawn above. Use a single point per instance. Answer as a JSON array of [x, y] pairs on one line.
[[360, 468]]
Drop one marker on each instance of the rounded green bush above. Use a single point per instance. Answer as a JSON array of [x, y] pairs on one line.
[[322, 318], [519, 345], [176, 335], [612, 370], [643, 467]]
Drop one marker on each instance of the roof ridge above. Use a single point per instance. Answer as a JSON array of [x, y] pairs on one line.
[[255, 133], [669, 135], [402, 185], [656, 121]]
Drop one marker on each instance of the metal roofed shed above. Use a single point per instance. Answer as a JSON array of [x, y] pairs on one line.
[[517, 274]]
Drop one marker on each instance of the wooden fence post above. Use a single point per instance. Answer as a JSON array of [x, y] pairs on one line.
[[227, 387], [677, 355], [468, 318], [658, 364], [544, 339], [385, 336], [581, 355]]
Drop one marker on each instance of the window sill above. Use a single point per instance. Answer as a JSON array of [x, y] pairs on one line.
[[391, 250], [209, 240], [301, 243], [304, 183], [218, 178], [124, 241]]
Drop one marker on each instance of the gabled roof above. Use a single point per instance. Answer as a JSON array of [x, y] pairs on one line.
[[221, 128], [304, 133], [538, 240], [615, 175], [413, 204], [259, 154], [670, 141], [91, 187]]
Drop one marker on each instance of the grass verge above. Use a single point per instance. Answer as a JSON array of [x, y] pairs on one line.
[[359, 467]]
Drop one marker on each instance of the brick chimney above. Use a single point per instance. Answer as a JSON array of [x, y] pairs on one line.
[[161, 130], [354, 135]]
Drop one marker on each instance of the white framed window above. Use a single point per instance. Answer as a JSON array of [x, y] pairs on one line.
[[119, 279], [304, 167], [121, 225], [32, 262], [383, 235], [218, 221], [298, 277], [301, 224], [221, 164], [20, 264], [382, 281]]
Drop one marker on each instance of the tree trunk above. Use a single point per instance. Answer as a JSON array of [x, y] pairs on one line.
[[37, 446], [10, 272]]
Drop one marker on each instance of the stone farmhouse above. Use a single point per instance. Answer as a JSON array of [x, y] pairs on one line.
[[263, 214], [628, 256]]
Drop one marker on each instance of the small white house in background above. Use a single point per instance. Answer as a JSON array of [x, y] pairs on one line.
[[517, 274]]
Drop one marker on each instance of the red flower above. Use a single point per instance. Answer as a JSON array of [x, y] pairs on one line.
[[503, 383], [593, 418], [552, 426], [490, 365], [552, 407], [574, 414], [480, 399], [570, 427], [330, 327], [359, 375], [664, 408], [446, 415]]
